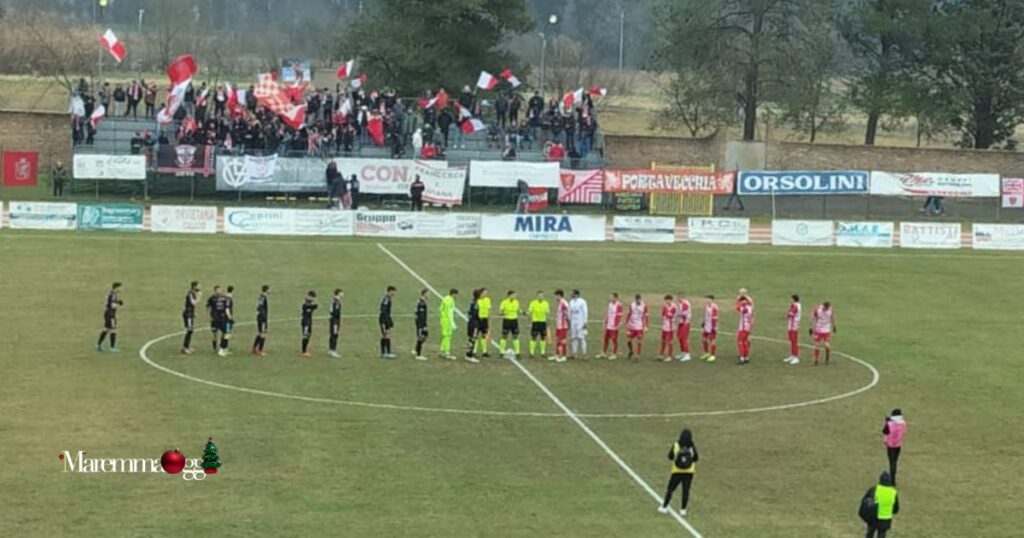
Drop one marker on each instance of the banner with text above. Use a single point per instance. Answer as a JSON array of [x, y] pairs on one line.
[[581, 186], [678, 181], [715, 230], [508, 173], [185, 219], [803, 182], [421, 225], [805, 233], [185, 159], [865, 234], [929, 235], [644, 229], [110, 216], [391, 176], [1013, 192], [268, 221], [542, 227], [123, 167], [43, 215], [935, 184], [998, 236], [270, 173]]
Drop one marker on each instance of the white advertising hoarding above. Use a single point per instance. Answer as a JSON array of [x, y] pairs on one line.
[[183, 219], [715, 230], [508, 173], [95, 166], [43, 215], [865, 234], [998, 236], [929, 235], [542, 227], [269, 221], [644, 229], [935, 184], [806, 233]]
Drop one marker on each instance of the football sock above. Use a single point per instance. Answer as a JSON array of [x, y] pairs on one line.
[[515, 346], [103, 336], [383, 346], [543, 347], [446, 344], [223, 343], [629, 345], [188, 340], [305, 344], [387, 345], [256, 342], [419, 348], [501, 344], [532, 346], [113, 339], [332, 342], [263, 340]]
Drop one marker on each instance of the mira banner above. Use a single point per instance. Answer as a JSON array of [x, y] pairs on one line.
[[935, 184], [715, 230], [542, 227], [865, 234], [269, 221], [998, 236], [803, 182], [644, 229], [806, 233], [929, 235], [43, 215], [109, 216], [678, 181], [184, 219], [422, 225], [124, 167], [507, 174]]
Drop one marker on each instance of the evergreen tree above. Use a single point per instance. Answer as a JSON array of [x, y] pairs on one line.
[[211, 458]]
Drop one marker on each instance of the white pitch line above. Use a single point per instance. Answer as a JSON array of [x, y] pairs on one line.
[[565, 409]]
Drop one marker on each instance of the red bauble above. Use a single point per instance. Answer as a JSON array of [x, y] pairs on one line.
[[173, 461]]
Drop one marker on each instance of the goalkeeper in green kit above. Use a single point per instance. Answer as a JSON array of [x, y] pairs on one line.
[[447, 317]]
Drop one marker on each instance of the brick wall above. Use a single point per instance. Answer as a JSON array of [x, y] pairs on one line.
[[48, 132], [641, 151]]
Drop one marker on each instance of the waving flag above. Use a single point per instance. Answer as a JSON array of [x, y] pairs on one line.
[[486, 81], [113, 45], [598, 90], [440, 100], [97, 115], [358, 81], [181, 68], [464, 113], [345, 69], [201, 97], [375, 128], [472, 125], [571, 98], [175, 97], [510, 78], [270, 94]]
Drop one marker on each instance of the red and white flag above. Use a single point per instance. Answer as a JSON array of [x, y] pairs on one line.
[[598, 90], [270, 94], [97, 115], [464, 113], [512, 79], [472, 125], [174, 99], [358, 81], [113, 45], [344, 110], [181, 68], [571, 98], [345, 69], [232, 101], [201, 98], [580, 186], [486, 81], [440, 100]]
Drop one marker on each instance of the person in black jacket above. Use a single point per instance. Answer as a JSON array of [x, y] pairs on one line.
[[683, 455], [878, 506], [353, 191], [416, 193], [333, 178]]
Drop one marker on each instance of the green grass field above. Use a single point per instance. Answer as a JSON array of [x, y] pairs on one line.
[[942, 329]]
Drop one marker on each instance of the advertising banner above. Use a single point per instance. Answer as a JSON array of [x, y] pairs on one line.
[[865, 234], [542, 227], [677, 181], [268, 221], [270, 174], [998, 236], [109, 216], [21, 168], [43, 215], [714, 230], [185, 219], [1013, 192], [443, 185], [804, 182], [929, 235], [124, 167], [806, 233], [935, 184], [581, 186], [185, 159], [508, 173], [644, 229], [420, 225]]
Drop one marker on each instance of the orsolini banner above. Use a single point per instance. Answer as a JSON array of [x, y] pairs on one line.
[[935, 184]]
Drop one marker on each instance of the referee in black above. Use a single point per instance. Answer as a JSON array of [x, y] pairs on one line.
[[421, 324], [334, 323], [386, 323], [308, 307]]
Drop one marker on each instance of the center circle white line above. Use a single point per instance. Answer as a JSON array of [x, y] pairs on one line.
[[875, 376]]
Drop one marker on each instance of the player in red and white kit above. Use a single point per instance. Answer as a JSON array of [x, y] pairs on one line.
[[683, 317], [561, 327], [823, 324], [636, 325], [668, 324], [745, 308], [612, 322], [709, 329], [793, 329]]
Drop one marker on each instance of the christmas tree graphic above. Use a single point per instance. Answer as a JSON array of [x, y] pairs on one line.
[[211, 459]]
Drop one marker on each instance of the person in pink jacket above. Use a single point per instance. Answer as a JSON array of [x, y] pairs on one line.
[[893, 431]]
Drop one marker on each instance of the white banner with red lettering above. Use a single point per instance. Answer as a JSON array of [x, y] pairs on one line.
[[930, 234], [508, 173], [391, 176], [935, 184], [998, 236], [183, 219], [1013, 192]]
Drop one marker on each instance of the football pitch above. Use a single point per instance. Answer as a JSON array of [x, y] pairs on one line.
[[361, 446]]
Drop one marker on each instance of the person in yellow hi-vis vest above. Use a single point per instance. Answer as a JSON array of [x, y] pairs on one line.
[[683, 455], [879, 505]]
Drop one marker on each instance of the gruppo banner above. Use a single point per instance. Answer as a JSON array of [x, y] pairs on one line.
[[269, 221], [43, 215], [807, 233], [644, 229], [935, 184], [543, 227], [1013, 192], [678, 181], [109, 216], [865, 234], [716, 230], [929, 235], [998, 236], [420, 225], [95, 166], [803, 182], [183, 219], [508, 173]]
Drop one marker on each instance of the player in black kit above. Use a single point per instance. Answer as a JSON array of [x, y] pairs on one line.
[[188, 316], [262, 320], [386, 323], [334, 323], [227, 309], [211, 301], [421, 325], [110, 307], [308, 307], [472, 326]]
